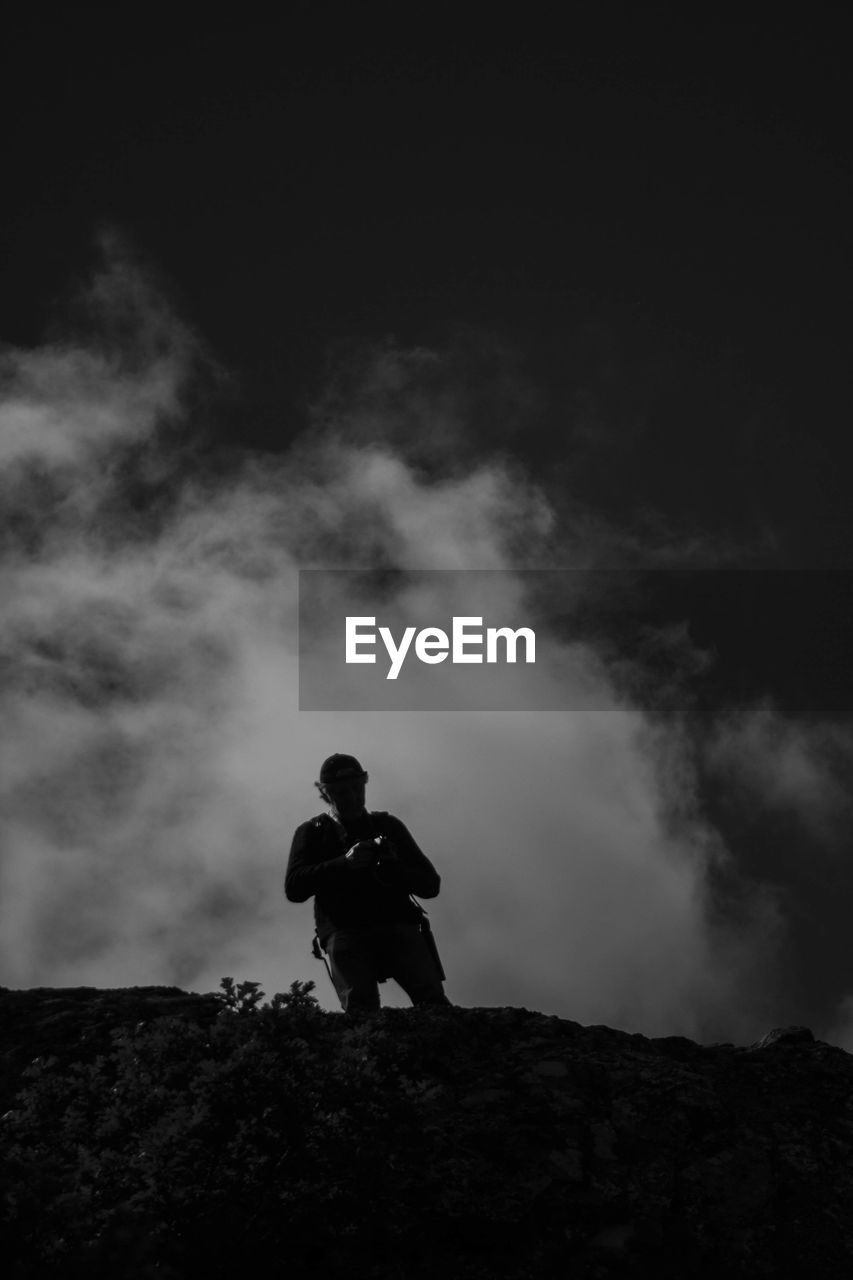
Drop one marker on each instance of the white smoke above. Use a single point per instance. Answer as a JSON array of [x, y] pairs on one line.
[[155, 763], [798, 768]]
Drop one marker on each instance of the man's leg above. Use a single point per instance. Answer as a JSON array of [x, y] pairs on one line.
[[411, 963], [351, 960]]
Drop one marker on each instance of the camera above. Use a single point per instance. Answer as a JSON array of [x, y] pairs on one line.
[[384, 848]]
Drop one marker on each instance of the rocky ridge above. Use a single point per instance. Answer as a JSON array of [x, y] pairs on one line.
[[482, 1141]]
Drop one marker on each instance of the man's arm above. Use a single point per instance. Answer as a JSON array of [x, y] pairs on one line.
[[305, 875], [413, 871]]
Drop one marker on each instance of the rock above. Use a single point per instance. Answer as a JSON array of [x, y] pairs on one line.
[[603, 1140], [569, 1162], [784, 1035], [615, 1239], [548, 1068]]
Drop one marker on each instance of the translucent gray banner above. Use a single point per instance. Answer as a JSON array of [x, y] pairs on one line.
[[563, 639]]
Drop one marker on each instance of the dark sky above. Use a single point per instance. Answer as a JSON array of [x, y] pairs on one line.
[[611, 255], [653, 215]]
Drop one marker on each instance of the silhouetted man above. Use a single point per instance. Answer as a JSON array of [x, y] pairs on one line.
[[361, 867]]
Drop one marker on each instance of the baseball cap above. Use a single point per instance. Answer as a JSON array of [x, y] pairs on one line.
[[340, 766]]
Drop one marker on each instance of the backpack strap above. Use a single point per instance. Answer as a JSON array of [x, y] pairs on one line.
[[326, 819]]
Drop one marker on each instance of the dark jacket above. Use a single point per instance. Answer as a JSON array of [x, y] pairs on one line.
[[355, 898]]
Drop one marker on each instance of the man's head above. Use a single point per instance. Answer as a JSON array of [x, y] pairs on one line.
[[342, 783]]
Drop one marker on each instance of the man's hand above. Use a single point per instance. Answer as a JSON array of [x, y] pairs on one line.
[[362, 854]]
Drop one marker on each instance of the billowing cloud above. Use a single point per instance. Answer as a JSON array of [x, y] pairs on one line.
[[155, 762], [798, 768]]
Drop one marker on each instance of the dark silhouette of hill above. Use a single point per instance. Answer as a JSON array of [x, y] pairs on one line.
[[150, 1132]]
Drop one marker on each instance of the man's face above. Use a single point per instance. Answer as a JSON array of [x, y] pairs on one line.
[[347, 795]]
